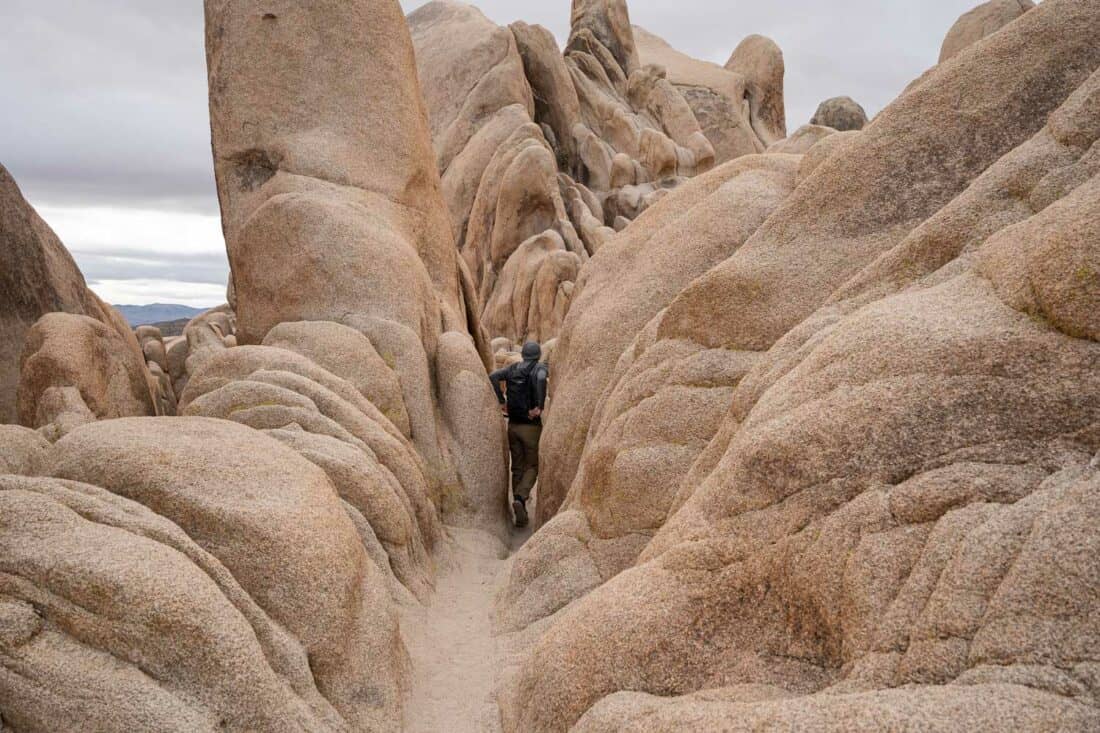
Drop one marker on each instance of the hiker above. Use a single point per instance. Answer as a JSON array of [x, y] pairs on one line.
[[526, 399]]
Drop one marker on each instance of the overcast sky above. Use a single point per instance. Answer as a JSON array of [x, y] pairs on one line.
[[103, 111]]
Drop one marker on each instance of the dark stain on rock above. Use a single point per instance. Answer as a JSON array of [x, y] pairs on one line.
[[254, 168]]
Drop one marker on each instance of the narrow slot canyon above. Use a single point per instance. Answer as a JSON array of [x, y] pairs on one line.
[[814, 409]]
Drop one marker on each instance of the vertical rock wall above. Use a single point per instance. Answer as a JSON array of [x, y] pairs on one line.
[[332, 211]]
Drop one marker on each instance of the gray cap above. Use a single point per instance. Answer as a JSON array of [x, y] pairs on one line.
[[531, 351]]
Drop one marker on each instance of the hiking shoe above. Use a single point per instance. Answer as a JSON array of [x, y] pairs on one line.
[[521, 513]]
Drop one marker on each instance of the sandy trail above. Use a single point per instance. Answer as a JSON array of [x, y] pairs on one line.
[[454, 654]]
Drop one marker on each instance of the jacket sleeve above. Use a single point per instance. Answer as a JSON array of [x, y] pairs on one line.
[[495, 379], [542, 374]]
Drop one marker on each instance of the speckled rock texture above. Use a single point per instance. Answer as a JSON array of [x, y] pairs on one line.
[[544, 155], [892, 525], [189, 574], [981, 21], [333, 212]]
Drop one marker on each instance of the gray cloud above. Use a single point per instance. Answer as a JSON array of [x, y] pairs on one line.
[[106, 102], [136, 264]]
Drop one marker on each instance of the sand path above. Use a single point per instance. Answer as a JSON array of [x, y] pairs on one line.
[[454, 654]]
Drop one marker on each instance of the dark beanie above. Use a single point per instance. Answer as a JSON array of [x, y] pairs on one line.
[[531, 351]]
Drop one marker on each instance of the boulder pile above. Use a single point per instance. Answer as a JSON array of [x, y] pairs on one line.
[[845, 479], [822, 450], [546, 154], [240, 566]]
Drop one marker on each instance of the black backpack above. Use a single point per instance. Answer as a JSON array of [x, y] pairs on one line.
[[521, 390]]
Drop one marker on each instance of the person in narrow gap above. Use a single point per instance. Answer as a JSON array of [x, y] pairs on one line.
[[526, 398]]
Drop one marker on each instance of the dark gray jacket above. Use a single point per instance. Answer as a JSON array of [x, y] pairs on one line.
[[526, 389]]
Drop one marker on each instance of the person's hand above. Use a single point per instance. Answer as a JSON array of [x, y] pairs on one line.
[[534, 413], [504, 410]]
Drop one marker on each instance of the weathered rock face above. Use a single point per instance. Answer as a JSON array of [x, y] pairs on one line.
[[22, 450], [219, 616], [760, 61], [840, 113], [38, 276], [664, 398], [374, 467], [891, 205], [544, 155], [974, 25], [619, 294], [74, 370], [740, 107], [888, 524], [332, 212]]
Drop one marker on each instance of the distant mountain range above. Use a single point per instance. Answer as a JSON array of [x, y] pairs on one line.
[[142, 315]]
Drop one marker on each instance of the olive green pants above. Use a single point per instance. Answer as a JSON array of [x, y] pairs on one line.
[[523, 444]]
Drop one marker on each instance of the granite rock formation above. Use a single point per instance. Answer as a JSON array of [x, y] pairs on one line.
[[981, 21], [822, 450], [546, 154], [887, 521], [740, 106], [332, 212], [38, 277], [240, 567], [843, 114]]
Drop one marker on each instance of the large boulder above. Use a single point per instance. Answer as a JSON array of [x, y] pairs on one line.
[[760, 61], [325, 418], [75, 369], [325, 175], [112, 617], [556, 102], [636, 275], [219, 611], [332, 207], [979, 22], [350, 355], [891, 524], [840, 113], [740, 107]]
